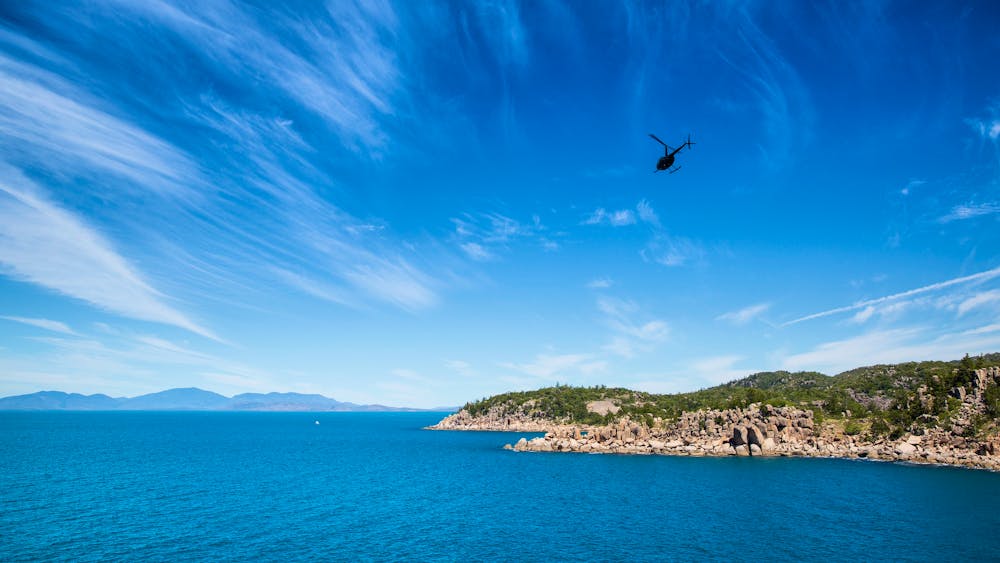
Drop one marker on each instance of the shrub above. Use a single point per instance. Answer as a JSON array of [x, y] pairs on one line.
[[991, 396], [852, 428]]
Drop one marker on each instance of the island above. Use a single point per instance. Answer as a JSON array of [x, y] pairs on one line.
[[921, 412]]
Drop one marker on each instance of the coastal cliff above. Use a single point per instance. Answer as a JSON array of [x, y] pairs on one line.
[[898, 423]]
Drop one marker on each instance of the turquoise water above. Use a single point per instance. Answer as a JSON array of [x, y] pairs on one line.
[[373, 486]]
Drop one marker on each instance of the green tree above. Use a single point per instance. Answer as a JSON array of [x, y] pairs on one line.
[[966, 374], [991, 396]]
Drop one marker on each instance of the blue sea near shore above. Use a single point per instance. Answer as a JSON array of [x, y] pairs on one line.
[[374, 486]]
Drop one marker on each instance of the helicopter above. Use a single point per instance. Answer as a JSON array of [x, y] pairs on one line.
[[667, 160]]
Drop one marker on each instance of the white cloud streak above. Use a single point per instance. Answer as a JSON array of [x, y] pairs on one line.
[[772, 84], [54, 326], [476, 251], [264, 182], [44, 244], [970, 211], [624, 217], [600, 283], [547, 366], [130, 364], [483, 237], [978, 300], [38, 118], [647, 214], [630, 336], [672, 251], [620, 218], [343, 72], [718, 369], [980, 277], [744, 315], [461, 367], [891, 346]]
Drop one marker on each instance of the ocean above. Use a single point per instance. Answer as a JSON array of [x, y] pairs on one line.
[[169, 486]]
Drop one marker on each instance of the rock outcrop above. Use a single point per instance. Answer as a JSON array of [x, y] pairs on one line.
[[495, 419], [759, 430]]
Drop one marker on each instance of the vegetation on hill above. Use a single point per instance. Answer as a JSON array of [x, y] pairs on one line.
[[882, 400]]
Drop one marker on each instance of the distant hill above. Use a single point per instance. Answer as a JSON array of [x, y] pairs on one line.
[[286, 401], [57, 400], [187, 399]]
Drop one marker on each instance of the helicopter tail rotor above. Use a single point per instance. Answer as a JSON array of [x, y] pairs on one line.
[[689, 143]]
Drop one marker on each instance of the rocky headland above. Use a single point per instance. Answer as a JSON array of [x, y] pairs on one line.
[[959, 437]]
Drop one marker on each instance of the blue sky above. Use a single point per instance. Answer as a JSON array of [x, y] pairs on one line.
[[423, 203]]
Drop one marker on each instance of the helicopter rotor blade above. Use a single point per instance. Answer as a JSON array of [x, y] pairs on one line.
[[657, 139]]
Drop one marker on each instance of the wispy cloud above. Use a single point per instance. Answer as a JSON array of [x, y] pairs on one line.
[[718, 369], [324, 251], [412, 376], [630, 336], [600, 283], [970, 211], [341, 70], [672, 250], [621, 346], [663, 247], [772, 82], [476, 251], [395, 282], [502, 22], [41, 115], [123, 362], [980, 277], [547, 366], [863, 315], [54, 326], [979, 300], [601, 216], [484, 236], [890, 346], [461, 367], [252, 195], [647, 214], [47, 245], [995, 327], [624, 217], [319, 289], [744, 315], [988, 127], [911, 185]]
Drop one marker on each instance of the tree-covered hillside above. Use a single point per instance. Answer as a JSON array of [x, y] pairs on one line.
[[883, 399]]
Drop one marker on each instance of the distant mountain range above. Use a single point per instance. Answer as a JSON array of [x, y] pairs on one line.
[[190, 399]]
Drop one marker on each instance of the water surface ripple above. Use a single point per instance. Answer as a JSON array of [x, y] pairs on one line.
[[374, 486]]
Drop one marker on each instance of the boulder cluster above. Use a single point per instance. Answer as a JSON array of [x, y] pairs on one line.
[[761, 430], [496, 418], [757, 430]]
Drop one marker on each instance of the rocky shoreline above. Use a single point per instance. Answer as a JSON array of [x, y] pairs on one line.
[[759, 430]]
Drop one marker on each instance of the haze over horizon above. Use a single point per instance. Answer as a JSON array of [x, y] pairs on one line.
[[424, 203]]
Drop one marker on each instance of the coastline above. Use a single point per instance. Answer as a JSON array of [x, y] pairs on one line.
[[757, 431]]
